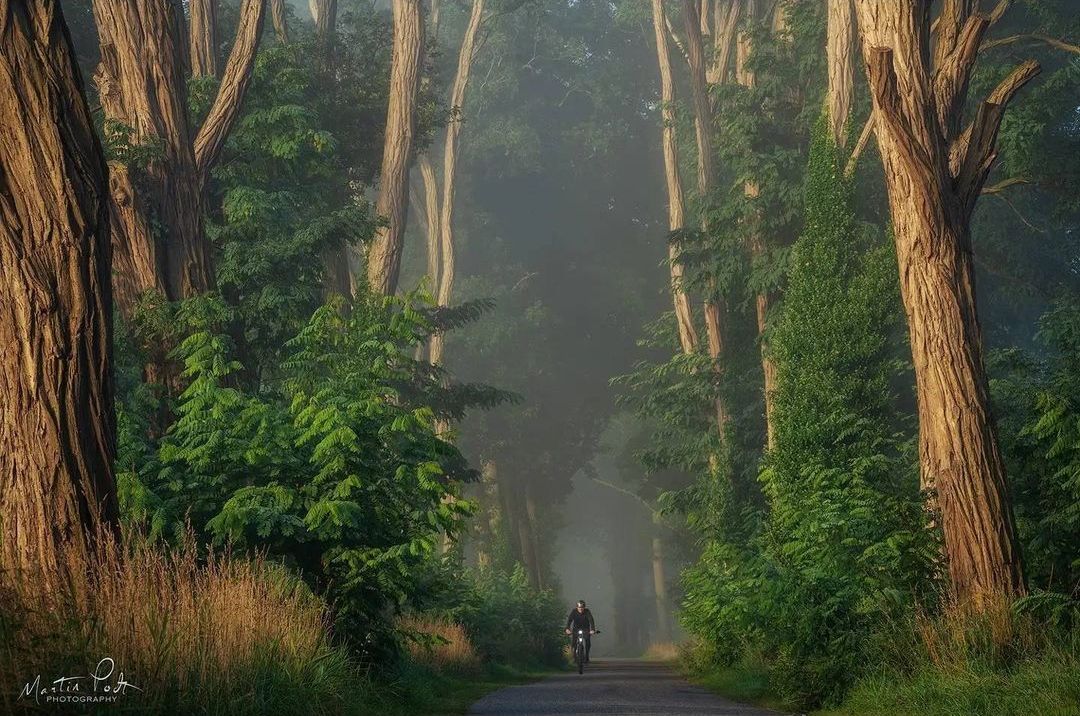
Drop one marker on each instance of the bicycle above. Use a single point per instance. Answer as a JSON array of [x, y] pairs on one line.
[[579, 649]]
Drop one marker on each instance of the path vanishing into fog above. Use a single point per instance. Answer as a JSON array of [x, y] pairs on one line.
[[612, 686]]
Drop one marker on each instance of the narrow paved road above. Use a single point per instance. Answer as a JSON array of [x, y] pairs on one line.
[[612, 686]]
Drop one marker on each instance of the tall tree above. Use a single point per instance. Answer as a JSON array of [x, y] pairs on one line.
[[163, 162], [935, 167], [280, 19], [445, 222], [58, 433], [384, 256], [688, 337]]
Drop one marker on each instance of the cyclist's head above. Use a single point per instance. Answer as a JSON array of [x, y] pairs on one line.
[[581, 604]]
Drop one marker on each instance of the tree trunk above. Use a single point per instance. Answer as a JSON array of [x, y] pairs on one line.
[[745, 77], [203, 37], [157, 210], [934, 171], [703, 122], [384, 256], [840, 54], [280, 20], [58, 432], [431, 219], [688, 338], [453, 131], [534, 540], [663, 625]]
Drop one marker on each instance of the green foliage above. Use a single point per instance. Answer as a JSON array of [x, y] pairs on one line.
[[1037, 398], [507, 620], [843, 541], [331, 467]]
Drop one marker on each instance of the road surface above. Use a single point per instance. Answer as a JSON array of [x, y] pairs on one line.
[[637, 688]]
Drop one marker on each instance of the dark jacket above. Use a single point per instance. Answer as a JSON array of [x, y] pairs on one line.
[[580, 620]]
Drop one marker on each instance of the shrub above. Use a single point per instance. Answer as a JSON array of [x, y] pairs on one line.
[[438, 644]]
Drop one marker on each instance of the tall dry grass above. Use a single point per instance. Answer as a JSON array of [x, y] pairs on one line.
[[439, 644], [212, 634]]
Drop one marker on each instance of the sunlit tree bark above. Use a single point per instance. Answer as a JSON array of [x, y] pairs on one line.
[[58, 428], [688, 338], [936, 164], [202, 26], [840, 56], [157, 213], [280, 20], [449, 183], [384, 256]]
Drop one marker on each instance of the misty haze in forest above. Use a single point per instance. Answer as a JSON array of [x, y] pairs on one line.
[[349, 343]]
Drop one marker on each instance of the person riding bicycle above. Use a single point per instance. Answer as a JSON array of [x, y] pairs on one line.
[[580, 618]]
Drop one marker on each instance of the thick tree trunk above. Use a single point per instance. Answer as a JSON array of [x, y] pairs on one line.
[[203, 37], [534, 540], [384, 256], [934, 171], [840, 53], [58, 430], [157, 210], [450, 148], [688, 338]]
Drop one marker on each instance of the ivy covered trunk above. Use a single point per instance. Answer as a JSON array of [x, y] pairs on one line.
[[935, 168], [58, 428]]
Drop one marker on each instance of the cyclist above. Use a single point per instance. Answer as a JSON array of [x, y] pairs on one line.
[[581, 618]]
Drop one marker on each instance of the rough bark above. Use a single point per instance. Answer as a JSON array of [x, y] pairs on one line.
[[449, 183], [234, 83], [57, 425], [202, 28], [280, 19], [688, 338], [384, 256], [157, 208], [935, 168], [840, 53]]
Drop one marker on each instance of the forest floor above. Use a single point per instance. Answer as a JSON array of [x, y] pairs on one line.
[[613, 686]]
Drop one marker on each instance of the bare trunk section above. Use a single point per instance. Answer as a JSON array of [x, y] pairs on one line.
[[157, 210], [58, 432], [663, 624], [450, 149], [203, 37], [688, 338], [431, 219], [534, 540], [280, 20], [384, 256], [935, 168], [840, 53]]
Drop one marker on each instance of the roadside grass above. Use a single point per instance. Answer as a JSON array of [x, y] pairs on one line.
[[1009, 660], [220, 635]]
